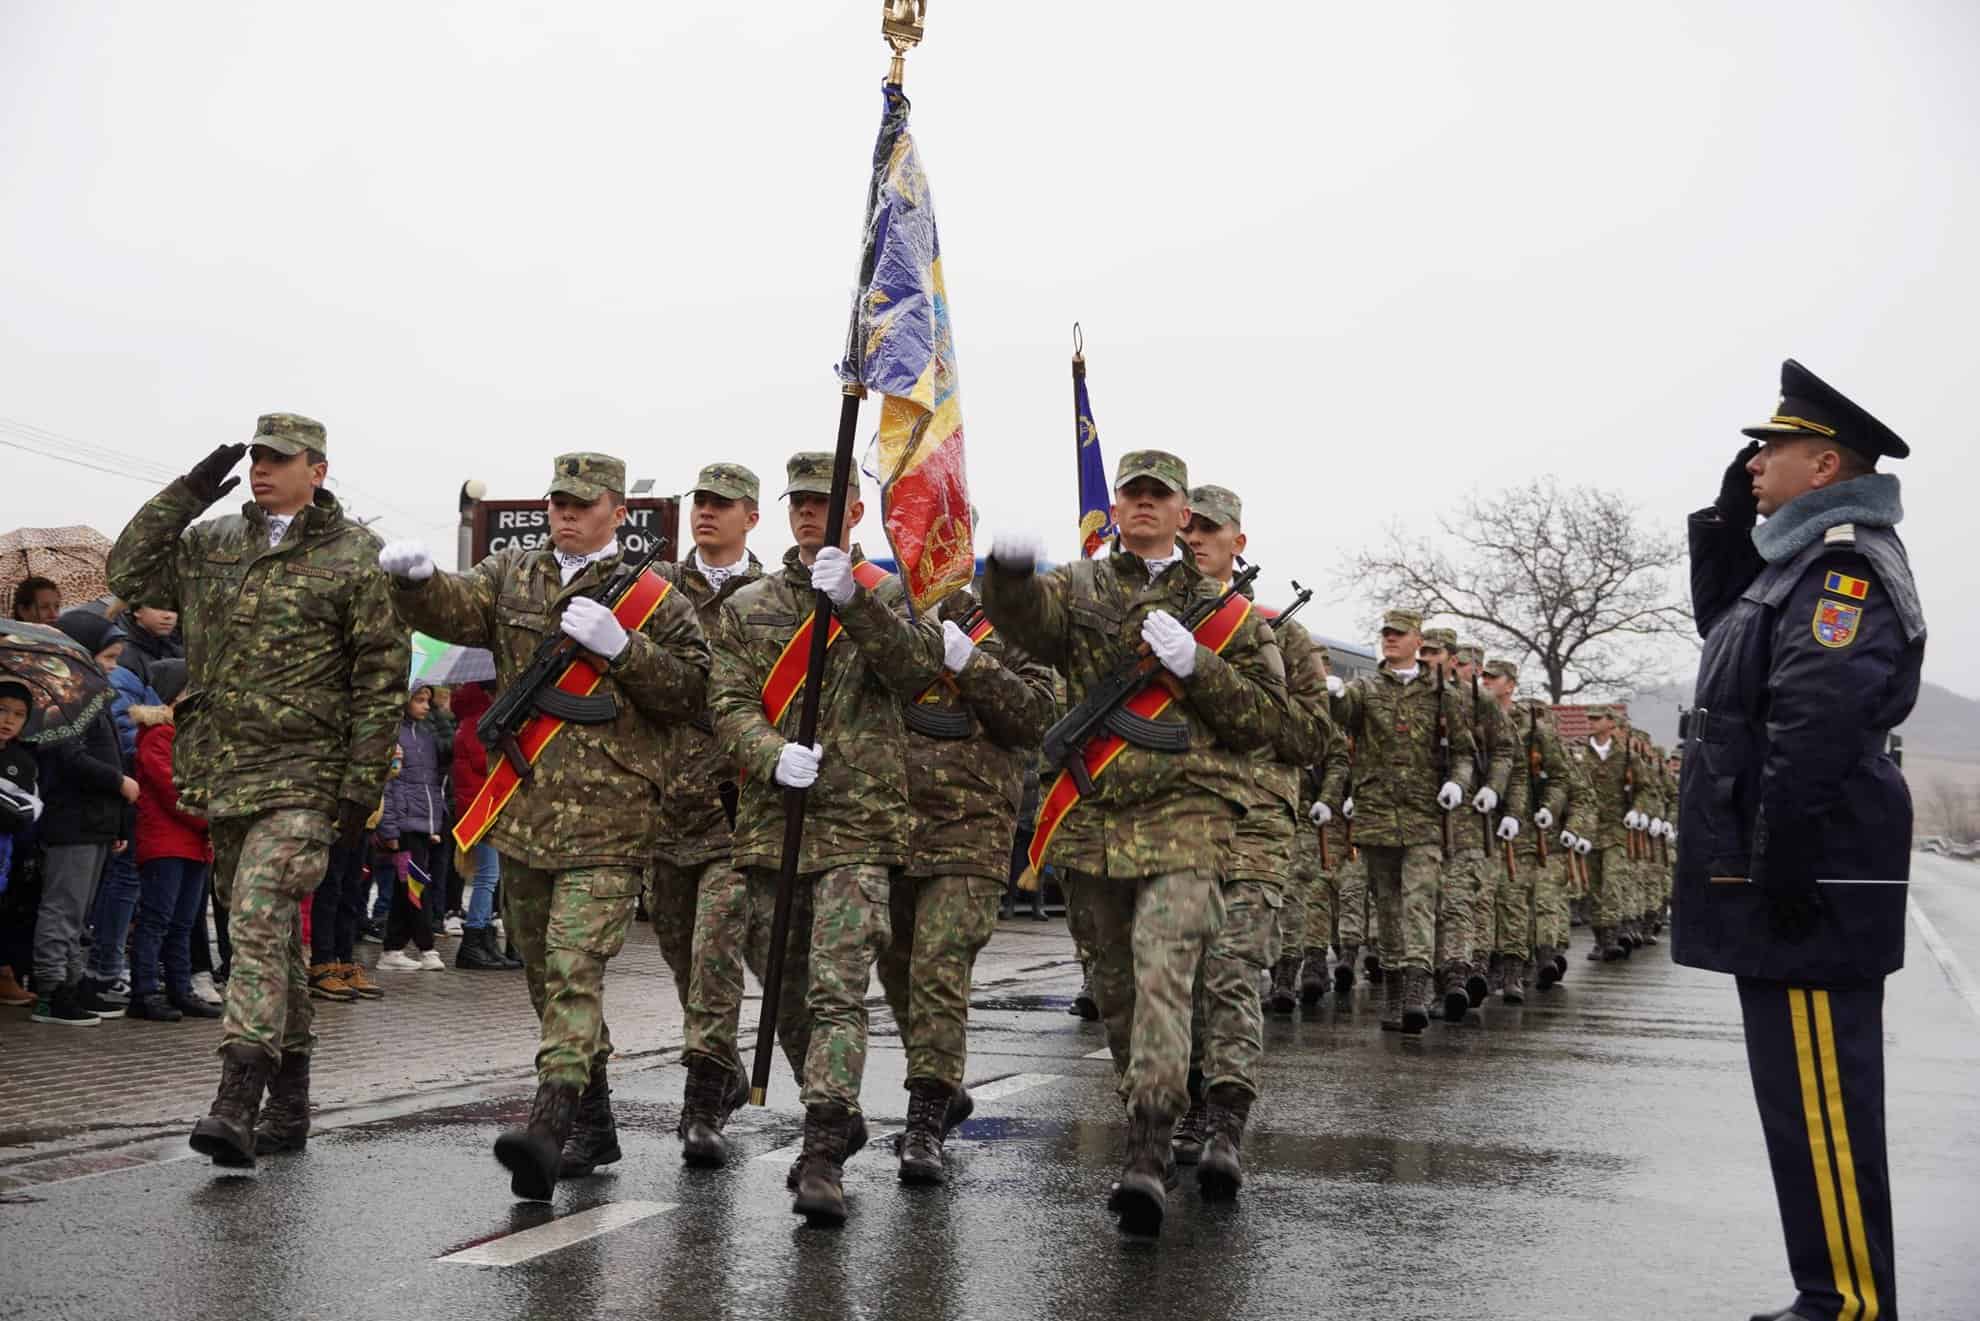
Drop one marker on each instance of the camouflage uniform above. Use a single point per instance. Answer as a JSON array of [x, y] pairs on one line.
[[1609, 865], [1539, 781], [856, 815], [964, 794], [1467, 897], [1146, 849], [296, 676], [1397, 821], [1650, 869], [577, 839], [1555, 887]]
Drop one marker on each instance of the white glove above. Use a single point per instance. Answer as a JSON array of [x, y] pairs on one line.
[[1347, 809], [1334, 685], [1656, 827], [1320, 814], [1018, 550], [1584, 847], [592, 626], [1173, 645], [1509, 828], [797, 765], [956, 647], [1486, 799], [1544, 819], [1569, 839], [1632, 820], [832, 574], [406, 559], [1670, 831], [1450, 795]]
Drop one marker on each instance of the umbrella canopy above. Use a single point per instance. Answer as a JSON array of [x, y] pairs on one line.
[[73, 558], [437, 664], [68, 689]]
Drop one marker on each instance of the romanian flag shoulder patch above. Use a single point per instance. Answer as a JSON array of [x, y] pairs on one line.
[[1844, 585]]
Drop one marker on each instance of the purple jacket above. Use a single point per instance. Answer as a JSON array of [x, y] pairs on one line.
[[415, 802]]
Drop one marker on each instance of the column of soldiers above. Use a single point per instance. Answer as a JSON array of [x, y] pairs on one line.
[[1258, 818]]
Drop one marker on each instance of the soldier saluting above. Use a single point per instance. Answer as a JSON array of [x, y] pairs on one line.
[[1793, 812], [296, 673], [578, 835]]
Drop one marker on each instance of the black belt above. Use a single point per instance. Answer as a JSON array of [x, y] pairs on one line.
[[1703, 726]]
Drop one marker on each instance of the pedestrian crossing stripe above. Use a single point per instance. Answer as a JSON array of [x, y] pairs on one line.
[[1835, 1183], [1844, 585]]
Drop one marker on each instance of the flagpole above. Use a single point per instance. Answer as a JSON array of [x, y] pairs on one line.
[[901, 25]]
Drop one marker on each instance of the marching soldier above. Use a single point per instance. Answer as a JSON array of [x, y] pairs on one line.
[[1610, 768], [1227, 1026], [1470, 880], [1813, 642], [1563, 885], [970, 736], [1537, 797], [697, 898], [1146, 847], [580, 832], [1320, 851], [1413, 766], [856, 818], [296, 676]]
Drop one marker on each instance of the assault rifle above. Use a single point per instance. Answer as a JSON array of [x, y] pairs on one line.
[[1104, 705], [535, 690], [1443, 754], [1536, 776], [1301, 596]]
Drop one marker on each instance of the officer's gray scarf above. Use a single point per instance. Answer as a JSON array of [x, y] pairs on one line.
[[1870, 500]]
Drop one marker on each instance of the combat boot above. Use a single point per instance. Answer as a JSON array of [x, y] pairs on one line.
[[1344, 970], [704, 1112], [1479, 984], [1550, 972], [594, 1138], [821, 1194], [1451, 992], [1084, 1005], [1512, 981], [1392, 1004], [1187, 1144], [1598, 949], [1415, 1011], [1313, 977], [1285, 974], [921, 1144], [227, 1133], [1646, 930], [1219, 1175], [1141, 1196], [1560, 964], [531, 1153], [478, 953], [1372, 965], [284, 1123], [961, 1106]]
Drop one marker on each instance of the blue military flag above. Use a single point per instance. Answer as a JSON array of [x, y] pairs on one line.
[[1096, 499]]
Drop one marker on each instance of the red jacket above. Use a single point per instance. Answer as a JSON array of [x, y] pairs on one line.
[[471, 703], [163, 831]]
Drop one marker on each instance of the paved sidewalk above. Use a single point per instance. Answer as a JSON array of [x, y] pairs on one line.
[[68, 1090]]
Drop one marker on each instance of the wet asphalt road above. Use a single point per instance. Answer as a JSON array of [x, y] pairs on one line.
[[1594, 1154]]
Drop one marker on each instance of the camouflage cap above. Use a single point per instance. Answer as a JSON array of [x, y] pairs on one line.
[[1164, 467], [1502, 669], [288, 433], [1402, 621], [811, 470], [587, 476], [731, 481], [1440, 637], [1219, 504], [1601, 711], [1471, 653]]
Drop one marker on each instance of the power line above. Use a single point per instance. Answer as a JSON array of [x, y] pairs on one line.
[[80, 463]]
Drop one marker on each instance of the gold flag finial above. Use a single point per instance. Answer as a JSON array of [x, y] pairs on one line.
[[902, 24]]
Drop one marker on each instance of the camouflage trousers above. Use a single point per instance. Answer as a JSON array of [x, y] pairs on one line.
[[1550, 901], [1464, 907], [851, 927], [1079, 923], [1149, 935], [1611, 886], [939, 924], [1227, 1018], [732, 916], [263, 868], [1307, 920], [1403, 881], [1354, 913], [567, 925], [1514, 913], [673, 903]]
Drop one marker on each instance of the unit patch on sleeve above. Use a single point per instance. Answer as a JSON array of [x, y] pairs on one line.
[[1836, 622]]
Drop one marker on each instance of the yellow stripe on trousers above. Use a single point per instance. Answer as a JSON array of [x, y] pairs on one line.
[[1825, 1035], [1818, 1150]]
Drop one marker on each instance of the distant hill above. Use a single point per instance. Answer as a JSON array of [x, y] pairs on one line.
[[1944, 726]]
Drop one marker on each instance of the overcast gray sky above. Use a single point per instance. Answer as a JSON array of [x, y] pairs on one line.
[[1350, 260]]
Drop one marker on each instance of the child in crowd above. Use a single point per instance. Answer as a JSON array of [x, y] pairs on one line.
[[20, 808], [408, 828], [173, 855]]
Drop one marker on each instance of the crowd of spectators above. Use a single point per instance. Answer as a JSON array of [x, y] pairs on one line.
[[107, 906]]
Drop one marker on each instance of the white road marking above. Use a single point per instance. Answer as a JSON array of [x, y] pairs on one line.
[[529, 1244], [1104, 1053], [1003, 1087], [784, 1155], [1949, 963]]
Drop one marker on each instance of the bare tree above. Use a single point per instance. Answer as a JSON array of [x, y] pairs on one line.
[[1569, 579]]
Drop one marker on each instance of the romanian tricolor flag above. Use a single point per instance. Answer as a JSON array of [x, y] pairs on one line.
[[901, 346], [1096, 501]]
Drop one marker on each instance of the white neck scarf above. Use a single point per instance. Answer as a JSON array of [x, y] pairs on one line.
[[1602, 749], [570, 566], [278, 527], [717, 574]]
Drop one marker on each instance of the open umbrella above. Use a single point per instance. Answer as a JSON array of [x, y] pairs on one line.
[[68, 689], [437, 664], [71, 557]]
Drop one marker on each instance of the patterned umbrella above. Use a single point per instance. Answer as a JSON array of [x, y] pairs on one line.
[[68, 688], [437, 664]]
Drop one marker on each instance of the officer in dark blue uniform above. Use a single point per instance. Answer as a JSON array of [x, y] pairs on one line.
[[1797, 824]]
